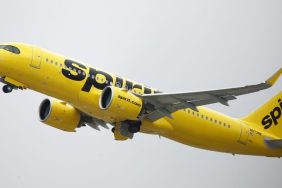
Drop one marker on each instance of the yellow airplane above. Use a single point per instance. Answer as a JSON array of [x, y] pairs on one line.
[[84, 95]]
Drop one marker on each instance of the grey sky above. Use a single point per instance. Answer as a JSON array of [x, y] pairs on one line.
[[169, 45]]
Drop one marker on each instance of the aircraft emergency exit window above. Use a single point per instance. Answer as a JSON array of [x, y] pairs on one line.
[[10, 48]]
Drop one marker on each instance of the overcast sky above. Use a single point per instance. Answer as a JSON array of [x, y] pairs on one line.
[[170, 45]]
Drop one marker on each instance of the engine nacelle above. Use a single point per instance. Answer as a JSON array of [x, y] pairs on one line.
[[120, 104], [59, 115]]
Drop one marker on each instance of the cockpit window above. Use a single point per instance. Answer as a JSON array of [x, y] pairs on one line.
[[10, 48]]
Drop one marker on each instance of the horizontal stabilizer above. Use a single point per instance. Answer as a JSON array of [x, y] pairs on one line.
[[274, 144]]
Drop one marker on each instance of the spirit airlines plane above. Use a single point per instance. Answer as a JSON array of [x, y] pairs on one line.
[[83, 95]]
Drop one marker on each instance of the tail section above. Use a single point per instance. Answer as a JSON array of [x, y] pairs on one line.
[[268, 117]]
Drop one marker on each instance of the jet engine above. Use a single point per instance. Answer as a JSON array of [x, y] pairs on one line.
[[120, 104], [59, 115]]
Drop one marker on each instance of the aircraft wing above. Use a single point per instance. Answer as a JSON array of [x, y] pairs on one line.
[[164, 104]]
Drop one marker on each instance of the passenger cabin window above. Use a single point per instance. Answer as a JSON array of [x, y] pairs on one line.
[[10, 48]]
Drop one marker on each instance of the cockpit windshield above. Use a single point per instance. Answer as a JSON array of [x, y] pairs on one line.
[[10, 48]]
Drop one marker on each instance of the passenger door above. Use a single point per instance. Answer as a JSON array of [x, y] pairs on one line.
[[245, 131], [36, 58]]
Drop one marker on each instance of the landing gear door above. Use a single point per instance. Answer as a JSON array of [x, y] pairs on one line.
[[36, 58]]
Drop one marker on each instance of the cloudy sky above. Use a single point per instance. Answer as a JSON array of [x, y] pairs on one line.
[[170, 45]]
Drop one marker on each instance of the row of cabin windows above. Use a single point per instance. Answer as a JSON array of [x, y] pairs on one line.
[[77, 71], [208, 118], [83, 73]]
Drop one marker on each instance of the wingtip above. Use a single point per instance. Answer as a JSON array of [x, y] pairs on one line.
[[271, 81]]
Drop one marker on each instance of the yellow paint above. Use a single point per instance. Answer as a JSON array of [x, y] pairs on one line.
[[14, 83], [41, 70], [126, 108], [254, 118], [62, 116], [117, 134]]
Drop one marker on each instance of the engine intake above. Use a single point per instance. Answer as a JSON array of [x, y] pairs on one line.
[[106, 98], [120, 104], [59, 115]]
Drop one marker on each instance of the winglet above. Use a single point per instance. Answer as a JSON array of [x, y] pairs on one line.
[[271, 81]]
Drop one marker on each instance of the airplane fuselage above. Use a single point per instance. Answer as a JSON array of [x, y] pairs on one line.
[[81, 86]]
